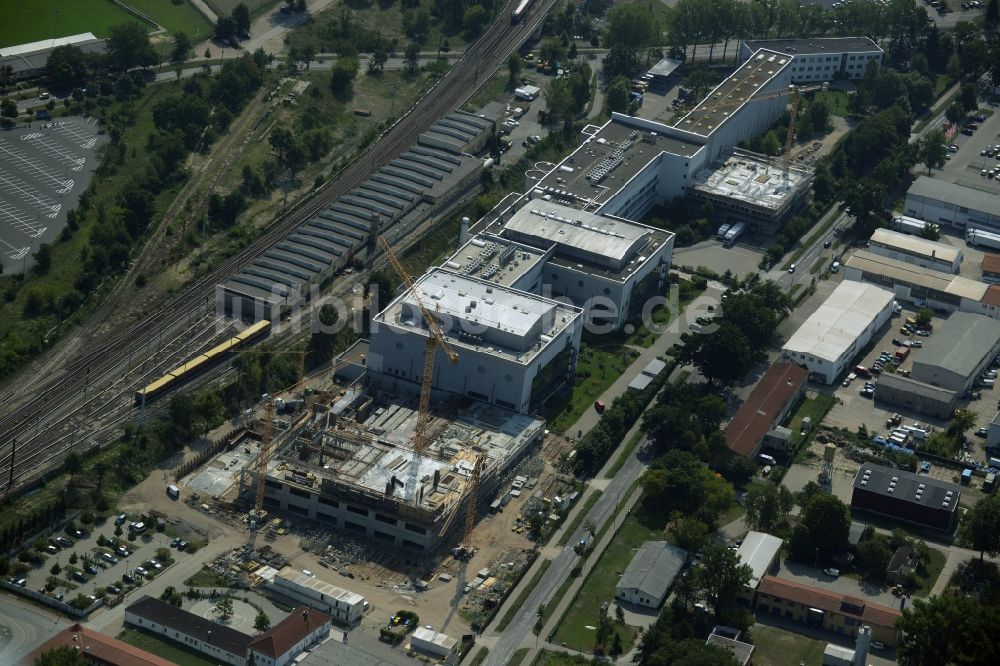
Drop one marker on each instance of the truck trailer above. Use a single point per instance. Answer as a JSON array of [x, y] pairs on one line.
[[984, 238], [734, 233], [911, 225]]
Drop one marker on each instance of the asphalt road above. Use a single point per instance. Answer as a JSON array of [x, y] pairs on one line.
[[520, 628], [23, 627]]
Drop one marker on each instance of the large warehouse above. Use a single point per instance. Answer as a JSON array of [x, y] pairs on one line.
[[827, 342], [916, 250], [901, 495], [958, 352], [944, 203], [515, 348], [819, 59], [916, 396]]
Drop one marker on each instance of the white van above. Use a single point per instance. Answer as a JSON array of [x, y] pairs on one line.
[[173, 491], [835, 267], [765, 459]]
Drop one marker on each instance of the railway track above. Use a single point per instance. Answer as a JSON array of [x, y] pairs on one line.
[[96, 386]]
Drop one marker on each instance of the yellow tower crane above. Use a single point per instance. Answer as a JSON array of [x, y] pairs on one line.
[[465, 549], [434, 340], [256, 519]]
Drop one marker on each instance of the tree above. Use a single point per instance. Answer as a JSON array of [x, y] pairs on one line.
[[631, 29], [182, 46], [863, 200], [378, 58], [474, 19], [128, 46], [981, 529], [823, 528], [172, 596], [874, 555], [262, 622], [955, 112], [617, 95], [224, 607], [67, 66], [689, 533], [514, 67], [992, 12], [932, 150], [721, 577], [241, 17], [924, 316], [551, 51], [343, 74], [947, 629], [619, 614], [61, 656], [968, 97], [559, 102], [722, 356], [411, 58], [766, 505], [73, 464], [8, 108], [56, 569]]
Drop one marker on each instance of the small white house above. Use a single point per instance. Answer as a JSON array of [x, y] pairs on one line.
[[650, 574], [433, 643], [527, 93]]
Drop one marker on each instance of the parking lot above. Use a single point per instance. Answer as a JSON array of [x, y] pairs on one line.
[[43, 170], [87, 568], [965, 166]]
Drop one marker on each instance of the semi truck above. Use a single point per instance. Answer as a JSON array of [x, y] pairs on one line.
[[984, 238], [911, 225], [723, 230], [734, 233]]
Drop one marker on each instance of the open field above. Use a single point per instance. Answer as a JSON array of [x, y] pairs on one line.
[[25, 22], [779, 647], [600, 586], [169, 651], [183, 17]]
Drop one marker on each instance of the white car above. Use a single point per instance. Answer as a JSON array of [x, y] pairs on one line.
[[832, 572]]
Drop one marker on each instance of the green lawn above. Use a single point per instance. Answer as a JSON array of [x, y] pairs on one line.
[[183, 17], [518, 657], [547, 658], [25, 22], [521, 598], [934, 567], [480, 656], [596, 370], [623, 456], [780, 647], [600, 586], [816, 409], [172, 652], [580, 515], [836, 102]]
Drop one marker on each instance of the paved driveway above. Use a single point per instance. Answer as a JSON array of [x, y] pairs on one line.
[[806, 575]]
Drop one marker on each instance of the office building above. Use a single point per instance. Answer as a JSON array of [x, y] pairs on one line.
[[905, 496], [818, 59]]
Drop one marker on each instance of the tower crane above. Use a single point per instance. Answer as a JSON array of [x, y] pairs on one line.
[[256, 518], [465, 549], [434, 340]]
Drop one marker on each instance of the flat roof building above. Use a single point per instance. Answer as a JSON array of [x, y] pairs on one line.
[[915, 395], [649, 575], [961, 348], [827, 609], [505, 338], [31, 60], [827, 342], [433, 642], [818, 59], [950, 204], [915, 250], [774, 397], [342, 605], [905, 496], [604, 264], [753, 188]]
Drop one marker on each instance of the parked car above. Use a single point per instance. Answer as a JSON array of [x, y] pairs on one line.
[[925, 466], [982, 432], [923, 333], [832, 572], [791, 269]]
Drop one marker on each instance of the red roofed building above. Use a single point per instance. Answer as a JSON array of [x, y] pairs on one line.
[[286, 640], [772, 399], [826, 609], [97, 648]]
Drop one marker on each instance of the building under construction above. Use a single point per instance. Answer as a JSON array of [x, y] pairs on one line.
[[350, 466]]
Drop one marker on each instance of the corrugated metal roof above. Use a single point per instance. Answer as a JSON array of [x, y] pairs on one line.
[[757, 551], [916, 245], [654, 568], [833, 328], [951, 193], [900, 271], [959, 344]]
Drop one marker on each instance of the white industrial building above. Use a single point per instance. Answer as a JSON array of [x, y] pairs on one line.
[[341, 605], [649, 575], [506, 340], [432, 642], [917, 251], [762, 553], [941, 291], [818, 59], [944, 203], [31, 60], [961, 348], [827, 342]]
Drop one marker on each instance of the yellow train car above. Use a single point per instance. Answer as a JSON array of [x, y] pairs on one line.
[[202, 361]]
